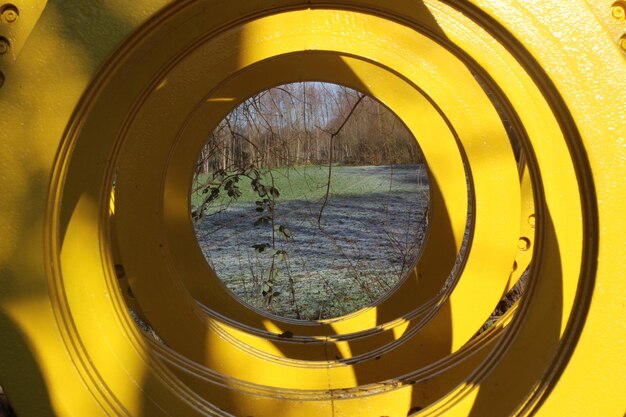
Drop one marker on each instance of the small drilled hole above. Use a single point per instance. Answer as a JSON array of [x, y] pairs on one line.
[[618, 10], [523, 244], [9, 13], [5, 45]]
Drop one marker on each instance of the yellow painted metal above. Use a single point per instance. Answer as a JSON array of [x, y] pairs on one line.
[[134, 87], [138, 226]]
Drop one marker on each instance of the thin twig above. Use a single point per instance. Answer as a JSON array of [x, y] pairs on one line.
[[330, 159]]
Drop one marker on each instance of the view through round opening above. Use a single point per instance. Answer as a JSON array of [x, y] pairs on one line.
[[310, 200]]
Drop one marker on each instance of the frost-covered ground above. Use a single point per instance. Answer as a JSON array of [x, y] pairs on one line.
[[369, 235]]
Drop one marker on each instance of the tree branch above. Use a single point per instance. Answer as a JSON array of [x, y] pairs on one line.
[[330, 158]]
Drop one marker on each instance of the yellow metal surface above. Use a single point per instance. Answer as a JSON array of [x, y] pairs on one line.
[[90, 92], [432, 141]]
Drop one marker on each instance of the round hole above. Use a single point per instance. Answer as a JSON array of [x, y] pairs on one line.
[[310, 200], [523, 244], [9, 13], [618, 10], [5, 45]]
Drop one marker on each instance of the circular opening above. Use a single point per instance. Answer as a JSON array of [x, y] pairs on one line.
[[310, 200], [5, 45], [9, 13], [618, 10]]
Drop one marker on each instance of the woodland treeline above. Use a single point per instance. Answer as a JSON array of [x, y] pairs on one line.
[[297, 124]]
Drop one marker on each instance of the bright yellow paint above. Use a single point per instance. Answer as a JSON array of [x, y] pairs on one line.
[[135, 86]]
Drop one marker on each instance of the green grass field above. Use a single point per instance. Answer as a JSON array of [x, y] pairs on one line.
[[310, 182]]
